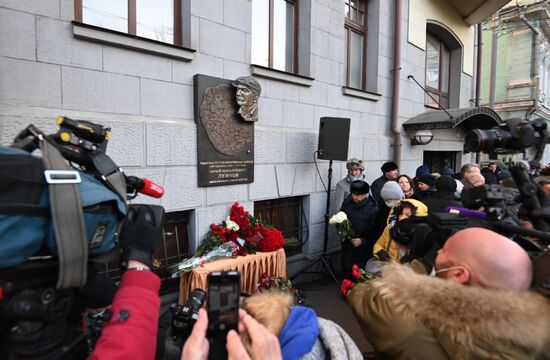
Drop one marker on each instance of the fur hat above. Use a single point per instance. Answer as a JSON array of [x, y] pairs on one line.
[[391, 191], [359, 187], [426, 179], [446, 184], [355, 163], [388, 166]]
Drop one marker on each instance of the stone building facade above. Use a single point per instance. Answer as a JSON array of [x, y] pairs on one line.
[[53, 63]]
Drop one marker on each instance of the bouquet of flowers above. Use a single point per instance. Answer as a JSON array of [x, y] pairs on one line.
[[246, 232], [359, 276], [343, 225], [271, 282], [227, 250]]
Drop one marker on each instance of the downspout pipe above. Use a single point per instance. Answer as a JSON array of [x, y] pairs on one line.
[[478, 65], [478, 73], [396, 129], [493, 77], [536, 64]]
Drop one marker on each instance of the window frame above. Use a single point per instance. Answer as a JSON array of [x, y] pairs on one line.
[[280, 212], [433, 91], [132, 21], [271, 35], [362, 30]]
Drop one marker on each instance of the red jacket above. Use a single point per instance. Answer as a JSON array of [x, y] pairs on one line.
[[131, 333]]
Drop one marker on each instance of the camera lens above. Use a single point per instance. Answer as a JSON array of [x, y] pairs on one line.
[[486, 140]]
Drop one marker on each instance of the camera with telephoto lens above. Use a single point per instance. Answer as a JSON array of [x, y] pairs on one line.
[[185, 316]]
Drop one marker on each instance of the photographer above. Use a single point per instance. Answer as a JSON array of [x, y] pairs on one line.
[[130, 328], [479, 305]]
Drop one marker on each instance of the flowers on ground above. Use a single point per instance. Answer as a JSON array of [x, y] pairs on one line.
[[359, 276], [343, 225]]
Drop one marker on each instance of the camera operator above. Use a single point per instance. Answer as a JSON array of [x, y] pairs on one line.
[[130, 328], [479, 305]]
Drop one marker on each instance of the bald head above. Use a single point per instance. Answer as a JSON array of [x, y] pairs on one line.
[[476, 179], [468, 169], [484, 258]]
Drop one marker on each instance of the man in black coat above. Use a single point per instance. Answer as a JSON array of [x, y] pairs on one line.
[[490, 173], [444, 195], [361, 211], [389, 173]]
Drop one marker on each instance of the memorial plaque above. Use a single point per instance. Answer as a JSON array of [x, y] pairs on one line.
[[225, 140]]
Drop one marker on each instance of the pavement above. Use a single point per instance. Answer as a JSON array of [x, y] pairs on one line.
[[323, 295]]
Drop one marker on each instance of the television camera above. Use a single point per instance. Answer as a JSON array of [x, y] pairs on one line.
[[39, 319], [516, 136]]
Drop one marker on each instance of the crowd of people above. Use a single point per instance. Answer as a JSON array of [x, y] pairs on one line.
[[377, 212], [476, 303]]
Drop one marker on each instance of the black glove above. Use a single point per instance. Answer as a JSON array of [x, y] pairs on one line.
[[140, 235]]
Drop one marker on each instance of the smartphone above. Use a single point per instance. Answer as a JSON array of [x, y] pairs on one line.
[[223, 310]]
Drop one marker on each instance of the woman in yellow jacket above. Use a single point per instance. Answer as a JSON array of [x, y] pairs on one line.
[[405, 209]]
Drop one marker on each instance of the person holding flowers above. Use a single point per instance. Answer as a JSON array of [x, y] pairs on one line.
[[361, 211]]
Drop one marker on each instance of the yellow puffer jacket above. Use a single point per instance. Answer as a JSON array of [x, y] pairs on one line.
[[384, 240]]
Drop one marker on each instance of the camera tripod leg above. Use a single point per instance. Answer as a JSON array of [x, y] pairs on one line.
[[326, 267]]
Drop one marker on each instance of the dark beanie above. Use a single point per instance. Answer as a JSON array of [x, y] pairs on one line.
[[359, 187], [426, 179], [422, 170], [445, 184], [388, 166]]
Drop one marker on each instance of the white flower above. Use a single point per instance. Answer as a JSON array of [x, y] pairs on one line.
[[338, 218], [231, 225]]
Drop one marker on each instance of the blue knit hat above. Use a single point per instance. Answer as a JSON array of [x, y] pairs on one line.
[[422, 170]]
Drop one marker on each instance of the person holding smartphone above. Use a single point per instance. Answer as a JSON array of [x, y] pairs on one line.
[[265, 344]]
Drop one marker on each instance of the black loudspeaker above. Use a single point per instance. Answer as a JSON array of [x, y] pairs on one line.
[[333, 138]]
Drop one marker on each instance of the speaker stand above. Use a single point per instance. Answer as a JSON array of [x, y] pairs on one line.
[[324, 260]]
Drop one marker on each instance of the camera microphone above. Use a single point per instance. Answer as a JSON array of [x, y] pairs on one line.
[[144, 186]]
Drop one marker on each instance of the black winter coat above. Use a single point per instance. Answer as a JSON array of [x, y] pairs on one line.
[[440, 200], [361, 215]]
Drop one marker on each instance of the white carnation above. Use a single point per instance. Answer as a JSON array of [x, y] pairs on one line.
[[231, 225]]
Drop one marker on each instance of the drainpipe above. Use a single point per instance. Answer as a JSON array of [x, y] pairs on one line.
[[478, 65], [492, 83], [478, 73], [396, 129], [536, 33]]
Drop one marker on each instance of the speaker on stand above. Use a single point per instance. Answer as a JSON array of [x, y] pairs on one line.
[[332, 145]]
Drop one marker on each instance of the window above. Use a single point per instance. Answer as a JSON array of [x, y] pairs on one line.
[[156, 20], [274, 34], [173, 248], [438, 65], [286, 215], [356, 43]]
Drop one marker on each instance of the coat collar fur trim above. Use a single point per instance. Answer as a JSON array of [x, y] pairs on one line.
[[467, 315]]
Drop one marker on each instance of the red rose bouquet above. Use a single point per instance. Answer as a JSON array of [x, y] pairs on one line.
[[246, 232], [359, 276]]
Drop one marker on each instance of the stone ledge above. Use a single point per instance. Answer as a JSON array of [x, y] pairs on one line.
[[290, 78], [361, 94], [106, 36]]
